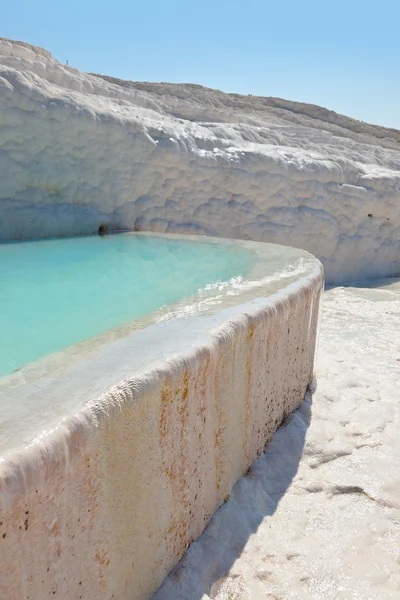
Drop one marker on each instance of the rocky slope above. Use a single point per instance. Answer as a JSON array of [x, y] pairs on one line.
[[78, 151]]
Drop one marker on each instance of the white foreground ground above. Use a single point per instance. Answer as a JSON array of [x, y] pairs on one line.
[[318, 515]]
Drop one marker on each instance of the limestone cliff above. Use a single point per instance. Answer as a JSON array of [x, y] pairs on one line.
[[78, 151]]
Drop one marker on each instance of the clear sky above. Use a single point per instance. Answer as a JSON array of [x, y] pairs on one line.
[[343, 54]]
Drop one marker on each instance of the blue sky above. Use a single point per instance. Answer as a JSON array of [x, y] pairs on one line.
[[344, 55]]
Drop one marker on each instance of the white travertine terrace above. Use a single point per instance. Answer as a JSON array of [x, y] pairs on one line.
[[317, 516], [157, 426], [78, 151], [148, 432]]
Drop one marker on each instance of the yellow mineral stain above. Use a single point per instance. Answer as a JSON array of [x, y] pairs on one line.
[[249, 367], [251, 331], [103, 562], [166, 399], [173, 424], [102, 559]]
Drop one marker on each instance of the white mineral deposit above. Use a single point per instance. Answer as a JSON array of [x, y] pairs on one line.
[[80, 151], [318, 515], [117, 453]]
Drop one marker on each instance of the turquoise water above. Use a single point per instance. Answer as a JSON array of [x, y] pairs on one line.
[[55, 293]]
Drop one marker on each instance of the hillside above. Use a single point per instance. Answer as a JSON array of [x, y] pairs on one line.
[[81, 150]]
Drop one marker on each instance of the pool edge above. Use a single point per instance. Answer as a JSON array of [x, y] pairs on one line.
[[91, 463]]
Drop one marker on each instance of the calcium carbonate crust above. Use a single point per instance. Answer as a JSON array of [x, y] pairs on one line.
[[113, 496], [78, 151], [77, 374]]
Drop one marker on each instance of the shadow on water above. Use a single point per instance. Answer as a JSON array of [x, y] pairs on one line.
[[255, 496]]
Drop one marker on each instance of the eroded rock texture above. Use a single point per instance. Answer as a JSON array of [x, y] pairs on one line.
[[78, 151]]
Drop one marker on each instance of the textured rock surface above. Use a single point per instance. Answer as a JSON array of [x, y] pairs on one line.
[[104, 505], [78, 151], [317, 517]]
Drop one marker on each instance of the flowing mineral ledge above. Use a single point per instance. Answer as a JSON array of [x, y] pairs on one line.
[[317, 516], [78, 151], [106, 503]]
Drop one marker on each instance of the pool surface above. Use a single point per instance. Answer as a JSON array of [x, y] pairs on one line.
[[55, 293]]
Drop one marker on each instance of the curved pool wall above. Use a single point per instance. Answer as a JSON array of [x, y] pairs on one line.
[[148, 433]]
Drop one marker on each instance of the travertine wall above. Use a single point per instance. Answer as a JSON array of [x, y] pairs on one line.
[[106, 505], [78, 151]]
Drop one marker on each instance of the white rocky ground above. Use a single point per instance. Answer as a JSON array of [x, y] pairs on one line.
[[79, 150], [318, 515]]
